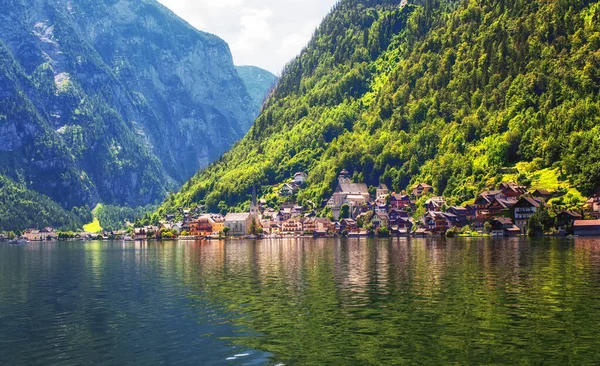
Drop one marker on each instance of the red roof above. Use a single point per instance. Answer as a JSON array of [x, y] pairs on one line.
[[583, 223]]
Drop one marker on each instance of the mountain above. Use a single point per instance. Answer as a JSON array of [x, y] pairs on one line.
[[113, 101], [445, 92], [258, 82]]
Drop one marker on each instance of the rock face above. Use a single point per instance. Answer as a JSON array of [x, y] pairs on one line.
[[258, 82], [115, 101]]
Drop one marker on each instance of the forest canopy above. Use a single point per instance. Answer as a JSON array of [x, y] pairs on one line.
[[445, 92]]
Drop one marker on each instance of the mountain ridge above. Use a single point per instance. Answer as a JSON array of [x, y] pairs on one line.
[[112, 101], [122, 82]]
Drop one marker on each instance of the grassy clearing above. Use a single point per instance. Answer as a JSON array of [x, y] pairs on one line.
[[93, 227]]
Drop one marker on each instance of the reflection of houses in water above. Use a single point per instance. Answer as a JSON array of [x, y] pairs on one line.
[[588, 254], [360, 266], [399, 267]]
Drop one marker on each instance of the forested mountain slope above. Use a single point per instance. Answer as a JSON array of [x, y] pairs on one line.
[[22, 208], [446, 92], [114, 101]]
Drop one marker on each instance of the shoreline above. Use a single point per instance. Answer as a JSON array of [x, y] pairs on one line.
[[237, 239]]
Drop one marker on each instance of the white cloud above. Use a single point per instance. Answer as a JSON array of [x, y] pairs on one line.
[[255, 30], [265, 33]]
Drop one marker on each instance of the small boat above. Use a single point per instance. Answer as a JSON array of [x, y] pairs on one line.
[[19, 241], [127, 238]]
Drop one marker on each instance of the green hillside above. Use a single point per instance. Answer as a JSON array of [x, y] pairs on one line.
[[446, 92], [23, 208]]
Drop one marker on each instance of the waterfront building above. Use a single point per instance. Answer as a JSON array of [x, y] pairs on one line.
[[587, 227]]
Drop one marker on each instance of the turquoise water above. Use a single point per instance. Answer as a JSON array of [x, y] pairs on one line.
[[351, 302]]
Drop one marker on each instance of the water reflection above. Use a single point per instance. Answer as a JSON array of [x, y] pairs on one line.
[[396, 301], [355, 301]]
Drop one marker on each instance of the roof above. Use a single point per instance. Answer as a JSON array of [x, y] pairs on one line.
[[359, 188], [570, 213], [237, 216], [513, 186], [355, 197], [587, 223], [383, 186], [504, 220], [436, 200], [505, 202], [424, 185], [383, 215], [532, 201], [542, 192], [490, 193]]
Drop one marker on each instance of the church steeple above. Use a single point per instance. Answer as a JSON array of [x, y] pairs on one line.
[[344, 176], [254, 211]]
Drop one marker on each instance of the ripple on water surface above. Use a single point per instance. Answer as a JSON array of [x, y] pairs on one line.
[[301, 302]]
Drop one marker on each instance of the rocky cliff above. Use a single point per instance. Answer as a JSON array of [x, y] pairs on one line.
[[258, 82], [114, 101]]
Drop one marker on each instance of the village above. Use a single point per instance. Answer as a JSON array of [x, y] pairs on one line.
[[508, 211]]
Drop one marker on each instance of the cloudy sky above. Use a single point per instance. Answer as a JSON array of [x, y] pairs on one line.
[[264, 33]]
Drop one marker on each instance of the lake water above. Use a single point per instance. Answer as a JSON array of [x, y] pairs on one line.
[[320, 302]]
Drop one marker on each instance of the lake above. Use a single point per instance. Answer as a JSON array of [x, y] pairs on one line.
[[308, 302]]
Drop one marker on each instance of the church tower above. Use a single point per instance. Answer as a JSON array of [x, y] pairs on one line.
[[344, 176]]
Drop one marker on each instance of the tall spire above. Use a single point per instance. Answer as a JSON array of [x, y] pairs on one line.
[[254, 204]]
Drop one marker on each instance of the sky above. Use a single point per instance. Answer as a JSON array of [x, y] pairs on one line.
[[263, 33]]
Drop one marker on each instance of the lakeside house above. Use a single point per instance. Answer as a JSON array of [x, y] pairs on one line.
[[348, 225], [524, 209], [566, 219], [435, 203], [44, 234], [504, 227], [292, 226], [439, 222], [382, 191], [542, 194], [461, 213], [300, 178], [288, 189], [512, 190], [420, 189], [380, 219], [401, 201], [501, 206], [587, 227], [203, 226], [593, 206]]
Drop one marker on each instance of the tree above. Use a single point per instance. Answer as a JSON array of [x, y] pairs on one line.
[[255, 229], [541, 222], [345, 211], [487, 227], [383, 232], [226, 231]]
